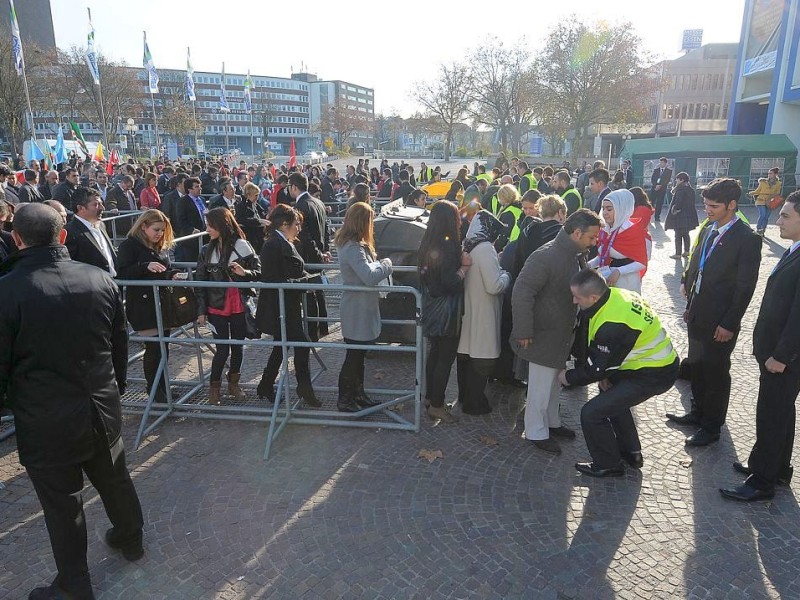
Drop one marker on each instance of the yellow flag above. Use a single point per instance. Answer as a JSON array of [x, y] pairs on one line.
[[98, 154]]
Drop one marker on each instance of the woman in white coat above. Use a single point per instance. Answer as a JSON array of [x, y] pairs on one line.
[[484, 284], [360, 311]]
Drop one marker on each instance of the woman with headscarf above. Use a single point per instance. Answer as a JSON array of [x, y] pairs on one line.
[[484, 284], [622, 246]]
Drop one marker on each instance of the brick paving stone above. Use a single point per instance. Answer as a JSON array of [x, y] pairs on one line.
[[353, 513]]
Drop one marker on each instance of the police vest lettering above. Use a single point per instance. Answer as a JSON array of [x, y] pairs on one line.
[[653, 347], [517, 212]]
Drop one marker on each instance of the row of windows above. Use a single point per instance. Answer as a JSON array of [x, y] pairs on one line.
[[704, 81], [350, 88], [692, 110], [256, 130], [257, 106], [246, 117]]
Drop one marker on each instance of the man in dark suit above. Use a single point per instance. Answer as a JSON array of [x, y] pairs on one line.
[[120, 196], [49, 184], [190, 213], [776, 345], [66, 395], [659, 181], [598, 184], [169, 201], [314, 245], [64, 191], [227, 196], [628, 170], [28, 191], [87, 240], [719, 283]]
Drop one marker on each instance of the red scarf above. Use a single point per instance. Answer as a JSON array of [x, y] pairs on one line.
[[631, 243]]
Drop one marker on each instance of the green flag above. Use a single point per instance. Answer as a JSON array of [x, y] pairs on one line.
[[78, 137]]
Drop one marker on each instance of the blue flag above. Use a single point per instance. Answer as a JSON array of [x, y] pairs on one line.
[[151, 68], [223, 103], [16, 40], [60, 152]]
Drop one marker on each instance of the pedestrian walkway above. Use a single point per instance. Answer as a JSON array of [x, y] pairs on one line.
[[358, 514]]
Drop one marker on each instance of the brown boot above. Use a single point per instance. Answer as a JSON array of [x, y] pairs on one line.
[[213, 393], [233, 386]]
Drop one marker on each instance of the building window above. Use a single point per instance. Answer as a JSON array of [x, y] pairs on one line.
[[725, 111], [759, 167], [709, 169]]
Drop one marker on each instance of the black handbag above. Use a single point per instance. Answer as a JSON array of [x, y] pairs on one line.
[[441, 315], [252, 331], [178, 306]]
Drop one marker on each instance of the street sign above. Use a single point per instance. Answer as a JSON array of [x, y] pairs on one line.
[[537, 145], [201, 144], [598, 145], [692, 39]]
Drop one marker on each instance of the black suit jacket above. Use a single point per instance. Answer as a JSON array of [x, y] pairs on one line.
[[63, 355], [169, 206], [662, 179], [729, 280], [597, 205], [281, 263], [218, 201], [30, 193], [63, 192], [314, 236], [777, 331], [187, 217], [45, 191], [119, 199], [84, 248]]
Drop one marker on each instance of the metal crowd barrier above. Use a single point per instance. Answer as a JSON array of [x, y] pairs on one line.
[[116, 236], [284, 410]]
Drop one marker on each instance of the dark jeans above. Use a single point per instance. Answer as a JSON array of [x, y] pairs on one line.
[[233, 327], [682, 235], [771, 455], [60, 492], [711, 377], [302, 371], [351, 377], [658, 202], [150, 362], [473, 374], [606, 419], [437, 369]]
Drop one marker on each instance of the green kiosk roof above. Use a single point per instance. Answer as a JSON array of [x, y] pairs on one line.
[[710, 146]]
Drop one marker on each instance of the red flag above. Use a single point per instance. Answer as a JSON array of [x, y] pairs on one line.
[[112, 160], [292, 155], [272, 170]]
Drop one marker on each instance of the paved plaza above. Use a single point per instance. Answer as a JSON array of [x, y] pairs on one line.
[[355, 513]]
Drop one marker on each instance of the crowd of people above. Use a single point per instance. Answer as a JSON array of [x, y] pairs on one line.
[[526, 278]]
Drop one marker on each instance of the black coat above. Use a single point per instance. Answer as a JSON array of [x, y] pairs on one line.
[[281, 263], [248, 215], [777, 331], [530, 239], [83, 247], [169, 206], [7, 245], [218, 201], [660, 178], [220, 271], [132, 260], [729, 280], [30, 193], [63, 192], [682, 215], [120, 199], [188, 218], [46, 191], [314, 236], [63, 355]]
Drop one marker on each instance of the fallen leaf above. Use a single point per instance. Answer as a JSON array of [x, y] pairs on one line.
[[430, 455], [488, 440], [686, 463]]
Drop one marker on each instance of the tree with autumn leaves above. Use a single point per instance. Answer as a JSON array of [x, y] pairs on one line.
[[582, 76]]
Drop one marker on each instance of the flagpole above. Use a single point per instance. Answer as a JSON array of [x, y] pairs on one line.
[[18, 38], [155, 124], [252, 147], [100, 95]]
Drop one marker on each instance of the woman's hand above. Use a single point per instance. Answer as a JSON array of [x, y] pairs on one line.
[[237, 269], [156, 267], [466, 259], [201, 320], [613, 278]]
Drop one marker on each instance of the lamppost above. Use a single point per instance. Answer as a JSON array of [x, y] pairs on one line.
[[131, 127]]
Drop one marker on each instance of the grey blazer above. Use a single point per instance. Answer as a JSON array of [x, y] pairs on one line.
[[541, 303], [360, 313]]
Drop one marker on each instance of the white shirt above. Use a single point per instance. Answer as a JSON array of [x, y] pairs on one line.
[[102, 241]]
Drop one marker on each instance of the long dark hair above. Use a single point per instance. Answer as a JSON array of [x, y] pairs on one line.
[[440, 249], [640, 197], [222, 220]]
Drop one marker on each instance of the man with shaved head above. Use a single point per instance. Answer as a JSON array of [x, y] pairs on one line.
[[63, 363]]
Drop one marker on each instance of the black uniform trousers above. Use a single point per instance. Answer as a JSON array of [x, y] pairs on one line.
[[711, 378], [607, 421], [771, 456], [60, 492]]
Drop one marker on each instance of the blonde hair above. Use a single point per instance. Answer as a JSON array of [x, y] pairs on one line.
[[507, 194], [148, 218], [549, 206], [249, 187], [357, 227]]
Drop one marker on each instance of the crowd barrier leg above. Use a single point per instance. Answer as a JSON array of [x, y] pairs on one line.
[[283, 385]]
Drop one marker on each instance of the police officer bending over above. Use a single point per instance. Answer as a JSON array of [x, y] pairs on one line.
[[631, 356]]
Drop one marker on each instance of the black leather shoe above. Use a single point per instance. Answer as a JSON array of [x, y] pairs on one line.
[[687, 419], [346, 403], [562, 432], [266, 391], [747, 493], [131, 550], [783, 479], [702, 437], [589, 469], [306, 392], [49, 592], [363, 400], [634, 459]]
